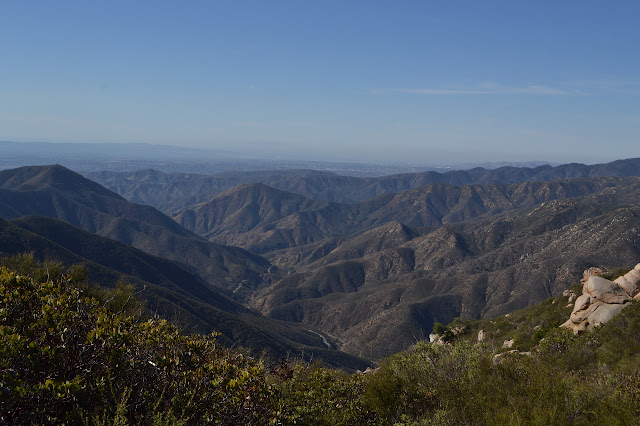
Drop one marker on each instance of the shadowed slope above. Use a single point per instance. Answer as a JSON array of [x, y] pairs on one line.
[[261, 218], [57, 192], [264, 220], [169, 289]]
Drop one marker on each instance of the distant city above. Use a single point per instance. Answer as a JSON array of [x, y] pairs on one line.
[[88, 157]]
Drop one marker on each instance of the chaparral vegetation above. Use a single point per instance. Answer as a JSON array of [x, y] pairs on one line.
[[74, 353]]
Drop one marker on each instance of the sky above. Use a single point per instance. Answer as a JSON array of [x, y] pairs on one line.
[[394, 81]]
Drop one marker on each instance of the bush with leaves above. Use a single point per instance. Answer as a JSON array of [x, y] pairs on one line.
[[320, 396], [462, 384], [65, 357], [69, 357], [424, 381]]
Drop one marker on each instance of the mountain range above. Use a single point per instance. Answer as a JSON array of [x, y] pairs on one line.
[[392, 283], [60, 193], [59, 215], [263, 219], [305, 259], [170, 192]]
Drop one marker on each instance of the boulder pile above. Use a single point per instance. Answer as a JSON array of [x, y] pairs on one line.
[[602, 299]]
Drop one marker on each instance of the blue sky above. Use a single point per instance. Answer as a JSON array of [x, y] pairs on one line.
[[417, 81]]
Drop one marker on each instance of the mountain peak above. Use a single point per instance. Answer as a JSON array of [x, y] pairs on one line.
[[31, 178]]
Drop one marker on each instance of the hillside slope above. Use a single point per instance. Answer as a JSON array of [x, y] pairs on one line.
[[262, 219], [377, 302], [168, 288], [57, 192]]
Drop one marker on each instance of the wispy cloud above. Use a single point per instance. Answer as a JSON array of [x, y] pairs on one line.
[[610, 86], [570, 88], [271, 124], [488, 88]]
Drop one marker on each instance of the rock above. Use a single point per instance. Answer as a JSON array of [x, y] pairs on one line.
[[568, 324], [630, 282], [458, 330], [582, 302], [576, 328], [507, 344], [602, 299], [633, 276], [579, 316], [603, 314], [604, 290], [626, 286], [581, 327], [436, 338], [570, 294], [590, 273], [481, 335]]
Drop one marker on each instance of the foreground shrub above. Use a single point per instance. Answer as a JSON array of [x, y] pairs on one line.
[[66, 357], [319, 396], [427, 380], [462, 384]]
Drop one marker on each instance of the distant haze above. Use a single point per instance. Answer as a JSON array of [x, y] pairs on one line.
[[359, 81], [87, 157]]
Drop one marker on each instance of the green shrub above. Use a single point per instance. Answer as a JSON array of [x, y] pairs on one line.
[[427, 379], [438, 328], [65, 357], [321, 396], [69, 357]]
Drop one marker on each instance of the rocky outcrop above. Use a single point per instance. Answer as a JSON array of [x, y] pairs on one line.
[[590, 273], [570, 295], [436, 338], [602, 299], [508, 344]]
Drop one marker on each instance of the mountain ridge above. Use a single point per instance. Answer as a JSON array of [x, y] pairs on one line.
[[254, 223], [374, 276], [470, 270], [59, 193], [170, 192], [169, 289]]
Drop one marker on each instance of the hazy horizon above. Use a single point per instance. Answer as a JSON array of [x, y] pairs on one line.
[[410, 82], [166, 152]]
